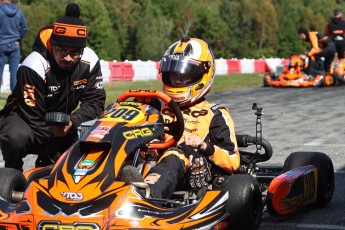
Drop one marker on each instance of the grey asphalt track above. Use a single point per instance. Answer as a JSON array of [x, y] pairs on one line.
[[304, 119], [297, 119]]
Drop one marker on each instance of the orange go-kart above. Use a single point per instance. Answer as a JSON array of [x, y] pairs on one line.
[[293, 75], [339, 72], [82, 190]]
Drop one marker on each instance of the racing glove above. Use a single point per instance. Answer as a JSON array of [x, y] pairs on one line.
[[199, 173]]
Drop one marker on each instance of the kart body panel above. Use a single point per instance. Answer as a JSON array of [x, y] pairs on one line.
[[293, 190]]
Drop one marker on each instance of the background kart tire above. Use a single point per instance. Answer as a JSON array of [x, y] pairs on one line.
[[245, 201], [11, 180], [325, 184]]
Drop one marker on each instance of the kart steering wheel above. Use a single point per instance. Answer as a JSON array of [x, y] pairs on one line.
[[147, 95]]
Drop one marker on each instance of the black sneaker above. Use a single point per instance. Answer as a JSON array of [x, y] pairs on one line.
[[131, 175]]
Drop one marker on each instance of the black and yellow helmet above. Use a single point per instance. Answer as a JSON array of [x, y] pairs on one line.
[[187, 70]]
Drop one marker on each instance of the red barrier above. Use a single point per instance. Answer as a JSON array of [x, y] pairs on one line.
[[260, 66], [234, 65], [121, 71], [285, 62]]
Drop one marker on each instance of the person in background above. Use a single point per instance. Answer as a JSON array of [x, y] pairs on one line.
[[60, 75], [321, 46], [188, 69], [13, 27], [335, 29]]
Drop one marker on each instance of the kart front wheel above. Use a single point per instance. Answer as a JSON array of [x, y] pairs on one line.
[[324, 165], [245, 201], [12, 183]]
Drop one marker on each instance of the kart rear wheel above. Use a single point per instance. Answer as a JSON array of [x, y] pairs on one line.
[[324, 165], [11, 181], [245, 201]]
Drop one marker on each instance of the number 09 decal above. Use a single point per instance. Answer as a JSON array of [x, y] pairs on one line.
[[124, 114]]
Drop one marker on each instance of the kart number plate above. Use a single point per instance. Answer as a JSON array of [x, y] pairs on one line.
[[126, 114]]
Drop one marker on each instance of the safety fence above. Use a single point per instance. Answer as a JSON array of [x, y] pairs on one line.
[[149, 70]]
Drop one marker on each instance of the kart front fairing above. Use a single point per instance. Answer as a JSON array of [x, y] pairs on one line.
[[83, 190]]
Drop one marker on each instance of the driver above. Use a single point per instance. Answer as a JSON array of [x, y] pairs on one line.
[[187, 70]]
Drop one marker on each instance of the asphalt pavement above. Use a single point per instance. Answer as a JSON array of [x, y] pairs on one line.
[[294, 119], [297, 119]]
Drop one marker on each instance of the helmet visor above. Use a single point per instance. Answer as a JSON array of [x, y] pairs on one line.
[[179, 71]]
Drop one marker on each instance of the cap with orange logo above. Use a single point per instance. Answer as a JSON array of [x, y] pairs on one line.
[[70, 30]]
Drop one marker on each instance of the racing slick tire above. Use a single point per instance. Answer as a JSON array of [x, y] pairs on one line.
[[245, 201], [324, 165], [11, 181]]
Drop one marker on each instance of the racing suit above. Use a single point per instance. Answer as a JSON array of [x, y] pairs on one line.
[[215, 126], [43, 87], [335, 29], [321, 46]]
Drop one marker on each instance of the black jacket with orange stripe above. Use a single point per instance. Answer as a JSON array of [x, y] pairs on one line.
[[215, 126], [335, 28], [43, 87]]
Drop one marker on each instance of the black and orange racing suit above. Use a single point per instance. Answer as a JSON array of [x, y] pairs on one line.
[[335, 29], [43, 87], [215, 126], [321, 46]]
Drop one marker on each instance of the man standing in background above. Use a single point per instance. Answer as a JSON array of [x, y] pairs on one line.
[[13, 27], [335, 29]]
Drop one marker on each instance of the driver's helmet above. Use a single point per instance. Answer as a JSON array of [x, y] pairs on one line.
[[187, 70], [296, 61]]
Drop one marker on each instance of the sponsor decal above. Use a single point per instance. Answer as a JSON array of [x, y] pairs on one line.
[[221, 226], [80, 82], [53, 88], [136, 133], [126, 114], [77, 196], [87, 162], [29, 95], [143, 90], [80, 172], [80, 87], [99, 85], [57, 225], [291, 203]]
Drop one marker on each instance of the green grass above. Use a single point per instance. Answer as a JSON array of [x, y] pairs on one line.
[[221, 83]]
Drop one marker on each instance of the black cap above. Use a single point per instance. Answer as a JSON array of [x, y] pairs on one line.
[[337, 11], [70, 30]]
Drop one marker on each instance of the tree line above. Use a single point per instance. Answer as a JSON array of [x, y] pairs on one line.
[[142, 29]]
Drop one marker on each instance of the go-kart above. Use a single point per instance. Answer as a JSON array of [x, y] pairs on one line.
[[339, 72], [83, 189], [293, 75]]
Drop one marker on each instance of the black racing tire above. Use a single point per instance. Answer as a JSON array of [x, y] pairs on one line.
[[245, 201], [324, 165], [265, 83], [11, 180]]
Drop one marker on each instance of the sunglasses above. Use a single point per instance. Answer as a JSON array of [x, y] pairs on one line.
[[72, 53]]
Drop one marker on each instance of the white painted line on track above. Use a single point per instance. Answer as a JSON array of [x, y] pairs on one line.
[[321, 144], [307, 226], [320, 226]]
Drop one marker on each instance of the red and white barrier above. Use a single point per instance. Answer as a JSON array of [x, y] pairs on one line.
[[149, 70]]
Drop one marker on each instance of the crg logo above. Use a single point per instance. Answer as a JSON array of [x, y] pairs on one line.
[[57, 225], [72, 195]]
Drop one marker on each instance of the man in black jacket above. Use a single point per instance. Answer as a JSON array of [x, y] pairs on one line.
[[335, 29], [60, 73]]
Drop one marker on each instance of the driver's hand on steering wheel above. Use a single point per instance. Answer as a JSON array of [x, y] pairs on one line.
[[195, 141]]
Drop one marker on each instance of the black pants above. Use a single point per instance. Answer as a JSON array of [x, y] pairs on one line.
[[328, 53], [168, 173], [17, 140], [340, 45]]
